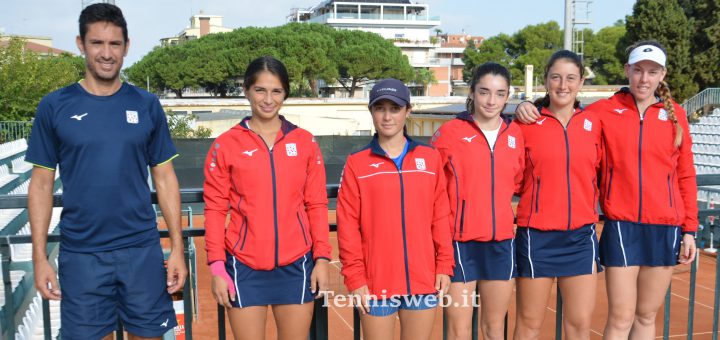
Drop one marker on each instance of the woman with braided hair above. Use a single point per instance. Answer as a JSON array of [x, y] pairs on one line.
[[648, 192]]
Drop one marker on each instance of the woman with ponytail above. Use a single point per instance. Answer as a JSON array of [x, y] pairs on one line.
[[648, 192]]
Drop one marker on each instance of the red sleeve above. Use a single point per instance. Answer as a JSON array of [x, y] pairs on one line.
[[315, 196], [441, 226], [216, 193], [686, 175], [520, 174], [349, 235]]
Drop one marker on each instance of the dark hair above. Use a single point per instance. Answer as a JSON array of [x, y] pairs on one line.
[[663, 90], [481, 71], [269, 64], [561, 55], [102, 13]]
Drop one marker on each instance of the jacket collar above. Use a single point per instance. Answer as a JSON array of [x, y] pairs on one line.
[[466, 116], [376, 149], [285, 127]]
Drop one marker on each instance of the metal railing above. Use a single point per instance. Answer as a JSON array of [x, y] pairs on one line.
[[319, 325], [10, 131], [704, 101]]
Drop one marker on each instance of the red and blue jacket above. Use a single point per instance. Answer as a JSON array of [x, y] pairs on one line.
[[276, 197], [481, 180], [645, 178], [394, 229], [560, 189]]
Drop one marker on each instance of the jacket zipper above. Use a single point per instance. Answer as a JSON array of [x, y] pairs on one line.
[[302, 228], [567, 166], [404, 233], [670, 197], [640, 191], [462, 218], [537, 195], [567, 172], [244, 237], [457, 197], [274, 191], [610, 183], [492, 172]]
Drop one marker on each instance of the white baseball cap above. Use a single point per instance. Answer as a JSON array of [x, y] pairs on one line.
[[647, 52]]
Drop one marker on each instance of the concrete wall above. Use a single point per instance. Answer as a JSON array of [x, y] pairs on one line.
[[322, 117]]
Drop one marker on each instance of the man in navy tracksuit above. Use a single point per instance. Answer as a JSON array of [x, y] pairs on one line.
[[104, 134]]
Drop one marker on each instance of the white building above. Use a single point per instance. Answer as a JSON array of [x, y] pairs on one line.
[[200, 25], [407, 23]]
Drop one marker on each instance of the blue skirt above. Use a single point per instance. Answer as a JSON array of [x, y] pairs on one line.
[[557, 253], [494, 260], [280, 286], [625, 244]]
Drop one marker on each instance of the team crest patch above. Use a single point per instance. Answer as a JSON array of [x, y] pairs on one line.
[[511, 142], [663, 115], [132, 116], [587, 125], [291, 149], [435, 136], [420, 163]]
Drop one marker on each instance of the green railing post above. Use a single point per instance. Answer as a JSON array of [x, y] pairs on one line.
[[7, 282], [221, 322], [357, 328], [476, 312], [187, 301], [666, 317], [319, 325], [716, 306], [558, 314], [47, 327], [691, 303]]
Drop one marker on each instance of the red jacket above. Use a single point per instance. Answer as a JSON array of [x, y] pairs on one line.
[[645, 178], [561, 164], [277, 198], [481, 181], [393, 226]]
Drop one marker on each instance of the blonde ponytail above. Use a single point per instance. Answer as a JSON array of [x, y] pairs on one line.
[[663, 91]]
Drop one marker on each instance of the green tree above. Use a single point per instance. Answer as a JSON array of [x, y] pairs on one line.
[[424, 77], [180, 126], [704, 16], [601, 55], [313, 48], [25, 78], [364, 56], [492, 49], [665, 21]]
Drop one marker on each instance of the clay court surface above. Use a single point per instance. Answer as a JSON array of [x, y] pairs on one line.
[[341, 318]]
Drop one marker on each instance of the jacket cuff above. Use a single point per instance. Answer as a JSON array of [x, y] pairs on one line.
[[354, 283], [694, 234], [216, 256], [446, 269]]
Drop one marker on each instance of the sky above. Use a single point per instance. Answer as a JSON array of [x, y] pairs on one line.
[[150, 20]]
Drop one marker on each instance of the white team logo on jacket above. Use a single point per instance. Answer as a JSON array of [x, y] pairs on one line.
[[587, 125], [376, 165], [132, 117], [291, 149], [420, 163], [662, 115], [511, 142]]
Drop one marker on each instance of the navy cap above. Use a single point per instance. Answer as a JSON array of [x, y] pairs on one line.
[[391, 89]]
